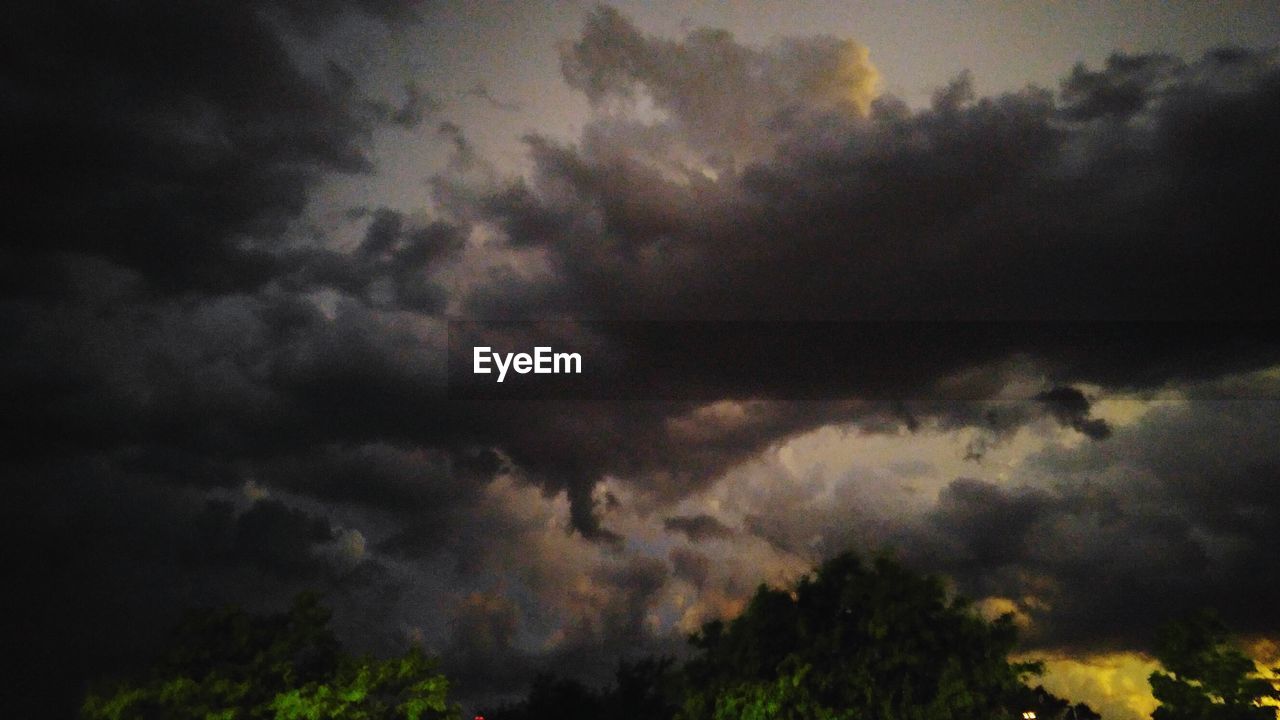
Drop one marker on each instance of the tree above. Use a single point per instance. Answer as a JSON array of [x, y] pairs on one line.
[[1206, 677], [230, 665], [643, 690], [1047, 706], [552, 697], [856, 641], [647, 689], [853, 641]]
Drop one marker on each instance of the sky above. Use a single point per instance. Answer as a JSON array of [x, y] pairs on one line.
[[238, 233]]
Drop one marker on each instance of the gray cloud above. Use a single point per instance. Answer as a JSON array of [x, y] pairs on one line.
[[690, 565], [481, 91], [698, 527]]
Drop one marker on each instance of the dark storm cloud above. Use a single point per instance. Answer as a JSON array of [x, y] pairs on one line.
[[1001, 208], [380, 475], [277, 538], [176, 142], [1027, 206], [231, 377], [1071, 408], [1019, 207], [391, 269], [1111, 540]]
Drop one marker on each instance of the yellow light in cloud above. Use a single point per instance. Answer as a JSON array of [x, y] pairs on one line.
[[1266, 655], [995, 606], [1117, 685], [1113, 684], [849, 78], [861, 78]]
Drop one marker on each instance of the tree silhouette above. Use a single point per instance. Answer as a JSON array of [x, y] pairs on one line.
[[230, 665], [643, 690], [1206, 677], [856, 641], [552, 697], [1047, 706]]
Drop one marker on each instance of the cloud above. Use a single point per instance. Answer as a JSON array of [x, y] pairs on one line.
[[201, 142], [1091, 544], [418, 105], [395, 267], [725, 98], [176, 335], [698, 527], [1027, 206], [1071, 408], [1113, 539], [690, 565], [481, 91], [901, 215], [1113, 684]]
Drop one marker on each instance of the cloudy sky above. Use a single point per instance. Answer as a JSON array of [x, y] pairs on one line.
[[237, 234]]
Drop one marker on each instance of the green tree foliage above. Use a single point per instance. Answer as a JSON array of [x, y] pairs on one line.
[[789, 697], [230, 665], [1206, 677], [855, 641]]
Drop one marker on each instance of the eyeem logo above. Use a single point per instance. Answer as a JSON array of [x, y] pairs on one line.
[[542, 362]]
